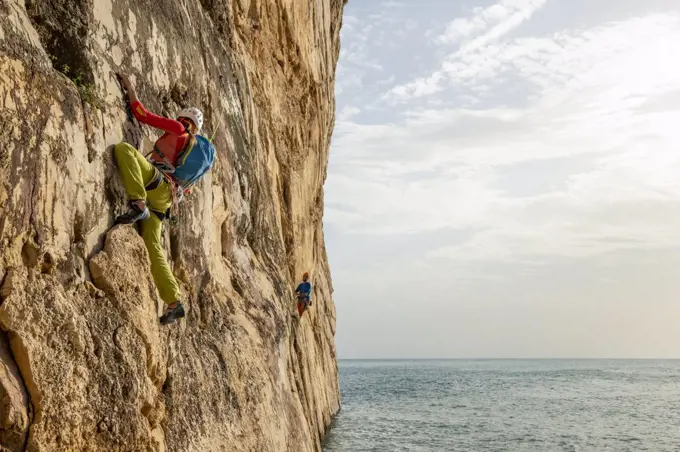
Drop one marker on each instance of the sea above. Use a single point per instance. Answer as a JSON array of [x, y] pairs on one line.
[[507, 405]]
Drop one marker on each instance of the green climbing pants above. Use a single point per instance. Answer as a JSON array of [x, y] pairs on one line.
[[138, 173]]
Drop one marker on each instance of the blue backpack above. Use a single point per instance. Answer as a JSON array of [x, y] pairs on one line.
[[194, 161]]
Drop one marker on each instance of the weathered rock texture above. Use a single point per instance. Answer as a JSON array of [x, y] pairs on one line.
[[84, 364]]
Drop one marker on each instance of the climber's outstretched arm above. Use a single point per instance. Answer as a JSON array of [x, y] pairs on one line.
[[145, 116]]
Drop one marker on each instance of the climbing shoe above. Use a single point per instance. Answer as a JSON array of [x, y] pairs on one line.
[[172, 314], [138, 211]]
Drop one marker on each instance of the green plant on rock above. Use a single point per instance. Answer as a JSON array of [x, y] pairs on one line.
[[88, 91]]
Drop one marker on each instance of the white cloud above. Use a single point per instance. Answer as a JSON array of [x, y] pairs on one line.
[[392, 4], [388, 81], [417, 88], [474, 34], [348, 113], [606, 94], [501, 17], [524, 191], [365, 40]]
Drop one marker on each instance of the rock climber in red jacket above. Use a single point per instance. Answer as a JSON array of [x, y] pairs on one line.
[[150, 194]]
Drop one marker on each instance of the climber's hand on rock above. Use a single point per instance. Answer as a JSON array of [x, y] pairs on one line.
[[125, 81]]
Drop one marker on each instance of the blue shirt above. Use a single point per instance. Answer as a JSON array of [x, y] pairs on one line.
[[305, 290]]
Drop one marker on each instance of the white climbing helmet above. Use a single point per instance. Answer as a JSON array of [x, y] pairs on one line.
[[194, 114]]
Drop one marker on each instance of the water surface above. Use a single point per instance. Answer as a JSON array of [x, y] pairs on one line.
[[513, 405]]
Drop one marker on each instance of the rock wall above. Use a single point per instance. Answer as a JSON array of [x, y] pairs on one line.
[[84, 363]]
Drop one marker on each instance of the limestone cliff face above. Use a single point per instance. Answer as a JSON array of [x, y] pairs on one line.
[[84, 363]]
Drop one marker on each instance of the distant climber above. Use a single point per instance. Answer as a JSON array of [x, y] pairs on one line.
[[303, 292], [154, 187]]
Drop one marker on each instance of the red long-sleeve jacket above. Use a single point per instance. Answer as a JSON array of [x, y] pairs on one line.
[[173, 141]]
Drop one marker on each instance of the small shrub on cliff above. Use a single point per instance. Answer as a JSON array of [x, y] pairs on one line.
[[87, 91]]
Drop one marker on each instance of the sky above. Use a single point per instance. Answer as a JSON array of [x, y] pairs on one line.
[[504, 179]]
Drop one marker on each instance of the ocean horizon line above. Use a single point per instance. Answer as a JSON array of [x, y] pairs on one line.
[[517, 359]]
